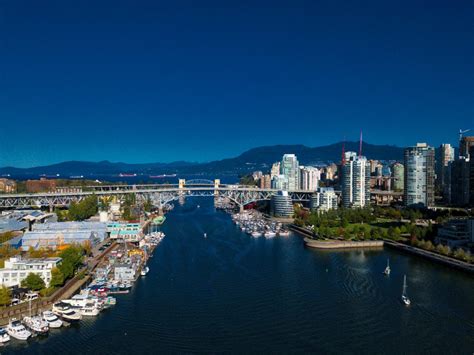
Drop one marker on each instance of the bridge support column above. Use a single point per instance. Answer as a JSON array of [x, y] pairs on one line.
[[217, 182], [241, 208]]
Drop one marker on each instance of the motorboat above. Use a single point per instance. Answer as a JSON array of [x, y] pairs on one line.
[[256, 234], [17, 330], [90, 310], [144, 271], [52, 319], [405, 298], [36, 324], [107, 302], [66, 312], [269, 234], [4, 337], [387, 269], [284, 233]]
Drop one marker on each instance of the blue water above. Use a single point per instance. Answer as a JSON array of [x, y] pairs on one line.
[[232, 293]]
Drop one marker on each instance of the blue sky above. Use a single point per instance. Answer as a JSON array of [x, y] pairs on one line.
[[145, 81]]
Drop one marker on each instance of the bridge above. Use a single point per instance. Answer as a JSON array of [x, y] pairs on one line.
[[158, 194]]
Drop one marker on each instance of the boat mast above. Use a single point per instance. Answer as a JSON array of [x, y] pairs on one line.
[[404, 285]]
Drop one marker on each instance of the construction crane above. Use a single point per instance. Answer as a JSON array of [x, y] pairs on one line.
[[461, 132]]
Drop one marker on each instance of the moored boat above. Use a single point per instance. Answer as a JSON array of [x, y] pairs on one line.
[[52, 319], [36, 324], [17, 330], [4, 337]]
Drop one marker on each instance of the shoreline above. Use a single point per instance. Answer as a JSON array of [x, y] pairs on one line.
[[339, 244]]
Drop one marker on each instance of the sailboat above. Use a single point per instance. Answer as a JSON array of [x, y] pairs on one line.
[[205, 235], [387, 269], [405, 298]]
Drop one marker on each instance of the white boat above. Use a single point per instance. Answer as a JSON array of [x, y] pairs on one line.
[[256, 234], [36, 324], [284, 233], [205, 235], [90, 310], [17, 330], [66, 312], [387, 269], [52, 319], [4, 337], [145, 271], [405, 298], [269, 234]]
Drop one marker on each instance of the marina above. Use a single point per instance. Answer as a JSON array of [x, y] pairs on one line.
[[232, 279], [255, 224]]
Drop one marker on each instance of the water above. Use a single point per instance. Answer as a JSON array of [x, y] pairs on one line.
[[230, 292]]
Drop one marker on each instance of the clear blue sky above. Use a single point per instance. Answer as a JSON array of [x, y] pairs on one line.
[[145, 81]]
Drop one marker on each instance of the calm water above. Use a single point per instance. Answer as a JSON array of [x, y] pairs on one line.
[[231, 292]]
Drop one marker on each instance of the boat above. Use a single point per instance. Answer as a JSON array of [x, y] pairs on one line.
[[161, 176], [387, 269], [269, 234], [17, 330], [52, 319], [405, 298], [4, 337], [284, 233], [36, 324], [66, 312], [127, 175], [90, 309], [256, 234], [145, 271], [205, 235]]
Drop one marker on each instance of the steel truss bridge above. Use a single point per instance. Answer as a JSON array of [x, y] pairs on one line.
[[158, 194]]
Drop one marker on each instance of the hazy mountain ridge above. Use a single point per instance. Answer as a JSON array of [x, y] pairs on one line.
[[255, 158]]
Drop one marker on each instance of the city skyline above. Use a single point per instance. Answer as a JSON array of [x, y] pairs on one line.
[[139, 84]]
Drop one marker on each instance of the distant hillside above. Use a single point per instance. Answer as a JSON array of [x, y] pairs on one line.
[[256, 158]]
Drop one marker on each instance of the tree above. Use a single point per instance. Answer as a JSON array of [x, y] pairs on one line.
[[5, 296], [33, 282], [57, 278], [79, 211], [71, 260]]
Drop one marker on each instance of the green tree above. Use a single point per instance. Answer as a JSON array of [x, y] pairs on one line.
[[79, 211], [33, 282], [57, 278], [5, 296], [71, 260]]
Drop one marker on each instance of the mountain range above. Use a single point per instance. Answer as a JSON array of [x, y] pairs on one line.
[[259, 158]]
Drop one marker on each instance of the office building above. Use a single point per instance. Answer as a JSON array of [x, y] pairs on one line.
[[282, 205], [419, 175], [460, 185], [355, 181]]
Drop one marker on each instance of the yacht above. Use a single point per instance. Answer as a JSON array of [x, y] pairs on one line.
[[405, 298], [90, 309], [4, 337], [17, 330], [284, 233], [36, 324], [387, 269], [66, 312], [107, 302], [52, 319], [205, 235], [256, 234], [269, 234]]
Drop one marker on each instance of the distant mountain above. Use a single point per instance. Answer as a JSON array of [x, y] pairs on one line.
[[263, 157], [253, 159]]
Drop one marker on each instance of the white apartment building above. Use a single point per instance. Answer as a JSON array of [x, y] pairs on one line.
[[17, 269]]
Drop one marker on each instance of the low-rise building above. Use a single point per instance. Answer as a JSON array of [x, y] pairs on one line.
[[130, 232], [282, 205], [42, 185], [324, 199], [17, 269], [60, 234], [456, 232]]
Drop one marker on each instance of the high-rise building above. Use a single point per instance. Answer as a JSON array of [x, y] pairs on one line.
[[445, 155], [309, 178], [465, 145], [460, 185], [275, 170], [419, 175], [471, 177], [355, 181], [398, 172], [290, 168]]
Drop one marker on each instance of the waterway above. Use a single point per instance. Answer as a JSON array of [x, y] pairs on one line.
[[231, 292]]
